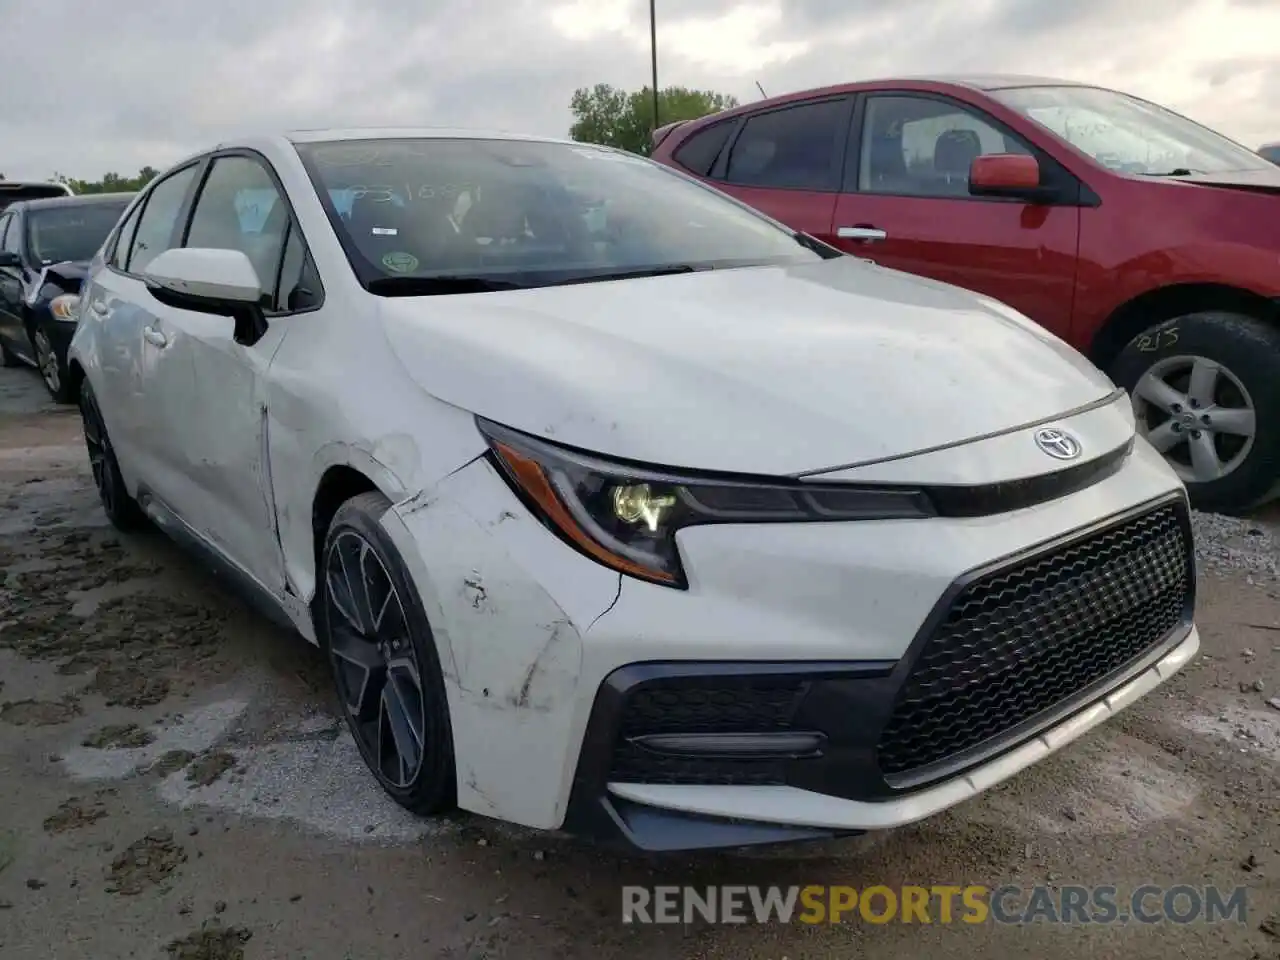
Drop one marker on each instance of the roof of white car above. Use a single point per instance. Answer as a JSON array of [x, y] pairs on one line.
[[290, 137]]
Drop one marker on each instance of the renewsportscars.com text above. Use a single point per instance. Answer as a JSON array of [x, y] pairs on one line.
[[936, 904]]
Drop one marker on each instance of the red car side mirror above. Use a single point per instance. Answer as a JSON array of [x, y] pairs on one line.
[[1005, 175]]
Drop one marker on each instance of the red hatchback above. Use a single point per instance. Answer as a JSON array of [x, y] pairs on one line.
[[1146, 241]]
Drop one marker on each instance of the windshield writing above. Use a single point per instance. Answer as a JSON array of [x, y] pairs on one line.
[[1127, 134]]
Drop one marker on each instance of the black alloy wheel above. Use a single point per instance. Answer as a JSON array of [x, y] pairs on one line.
[[52, 369], [121, 509], [384, 662]]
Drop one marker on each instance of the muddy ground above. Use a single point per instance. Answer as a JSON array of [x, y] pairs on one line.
[[173, 783]]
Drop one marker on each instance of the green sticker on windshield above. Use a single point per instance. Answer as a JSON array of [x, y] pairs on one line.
[[400, 262]]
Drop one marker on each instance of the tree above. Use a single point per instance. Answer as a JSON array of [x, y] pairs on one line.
[[111, 182], [606, 115]]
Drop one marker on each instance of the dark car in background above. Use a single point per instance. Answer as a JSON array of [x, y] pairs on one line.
[[1148, 242], [45, 249], [11, 191]]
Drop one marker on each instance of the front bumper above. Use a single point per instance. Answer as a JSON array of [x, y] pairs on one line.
[[1015, 661], [542, 648], [664, 817]]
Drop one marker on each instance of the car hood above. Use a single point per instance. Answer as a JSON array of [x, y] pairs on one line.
[[68, 274], [763, 370]]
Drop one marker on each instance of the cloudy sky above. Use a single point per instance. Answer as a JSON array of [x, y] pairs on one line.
[[117, 86]]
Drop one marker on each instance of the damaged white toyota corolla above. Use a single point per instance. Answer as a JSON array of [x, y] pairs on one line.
[[616, 506]]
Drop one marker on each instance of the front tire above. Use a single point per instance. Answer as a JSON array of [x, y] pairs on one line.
[[1206, 394], [386, 669], [53, 369], [121, 509]]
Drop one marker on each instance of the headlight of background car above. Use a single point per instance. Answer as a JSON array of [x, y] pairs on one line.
[[65, 307], [626, 516]]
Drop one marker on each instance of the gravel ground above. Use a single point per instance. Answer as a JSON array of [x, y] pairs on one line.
[[173, 784]]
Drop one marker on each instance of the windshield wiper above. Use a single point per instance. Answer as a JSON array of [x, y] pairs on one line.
[[1175, 172], [824, 250], [664, 270], [441, 285]]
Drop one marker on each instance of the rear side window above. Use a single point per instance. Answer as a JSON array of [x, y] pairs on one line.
[[794, 148], [699, 152], [155, 231]]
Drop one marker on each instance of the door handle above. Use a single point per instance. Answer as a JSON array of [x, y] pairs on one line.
[[155, 337], [861, 232], [99, 307]]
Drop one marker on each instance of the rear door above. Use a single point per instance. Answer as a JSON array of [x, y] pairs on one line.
[[786, 161], [906, 205], [118, 297]]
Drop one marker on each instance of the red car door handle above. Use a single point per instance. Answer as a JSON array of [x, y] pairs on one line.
[[863, 231]]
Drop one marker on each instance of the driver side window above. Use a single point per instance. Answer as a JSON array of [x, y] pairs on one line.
[[922, 147], [240, 208]]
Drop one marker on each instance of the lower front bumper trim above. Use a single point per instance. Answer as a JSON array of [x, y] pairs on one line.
[[797, 808]]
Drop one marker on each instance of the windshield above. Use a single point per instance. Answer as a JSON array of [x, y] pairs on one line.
[[73, 232], [510, 213], [1127, 134]]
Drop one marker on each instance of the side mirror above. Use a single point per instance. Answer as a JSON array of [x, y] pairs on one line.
[[207, 280], [9, 259], [1012, 175]]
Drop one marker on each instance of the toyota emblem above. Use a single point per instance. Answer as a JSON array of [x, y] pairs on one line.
[[1058, 443]]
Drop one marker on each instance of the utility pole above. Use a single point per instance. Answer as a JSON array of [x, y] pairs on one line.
[[653, 56]]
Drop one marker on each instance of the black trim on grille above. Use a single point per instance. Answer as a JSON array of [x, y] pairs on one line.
[[988, 499]]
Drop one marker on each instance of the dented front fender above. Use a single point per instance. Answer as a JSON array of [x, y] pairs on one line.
[[508, 626]]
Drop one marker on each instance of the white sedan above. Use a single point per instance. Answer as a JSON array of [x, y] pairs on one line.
[[616, 506]]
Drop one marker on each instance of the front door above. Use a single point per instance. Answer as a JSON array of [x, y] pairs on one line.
[[212, 431], [907, 205]]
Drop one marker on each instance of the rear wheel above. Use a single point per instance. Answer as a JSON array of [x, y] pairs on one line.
[[1206, 394], [385, 666], [121, 509]]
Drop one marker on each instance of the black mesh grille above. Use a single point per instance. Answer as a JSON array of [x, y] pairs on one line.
[[727, 705], [1021, 640]]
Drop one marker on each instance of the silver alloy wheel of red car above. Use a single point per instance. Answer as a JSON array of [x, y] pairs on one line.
[[1198, 414]]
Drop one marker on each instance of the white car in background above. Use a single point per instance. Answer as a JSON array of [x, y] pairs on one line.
[[616, 506]]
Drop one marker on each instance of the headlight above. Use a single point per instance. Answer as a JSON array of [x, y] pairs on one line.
[[626, 516], [65, 307]]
